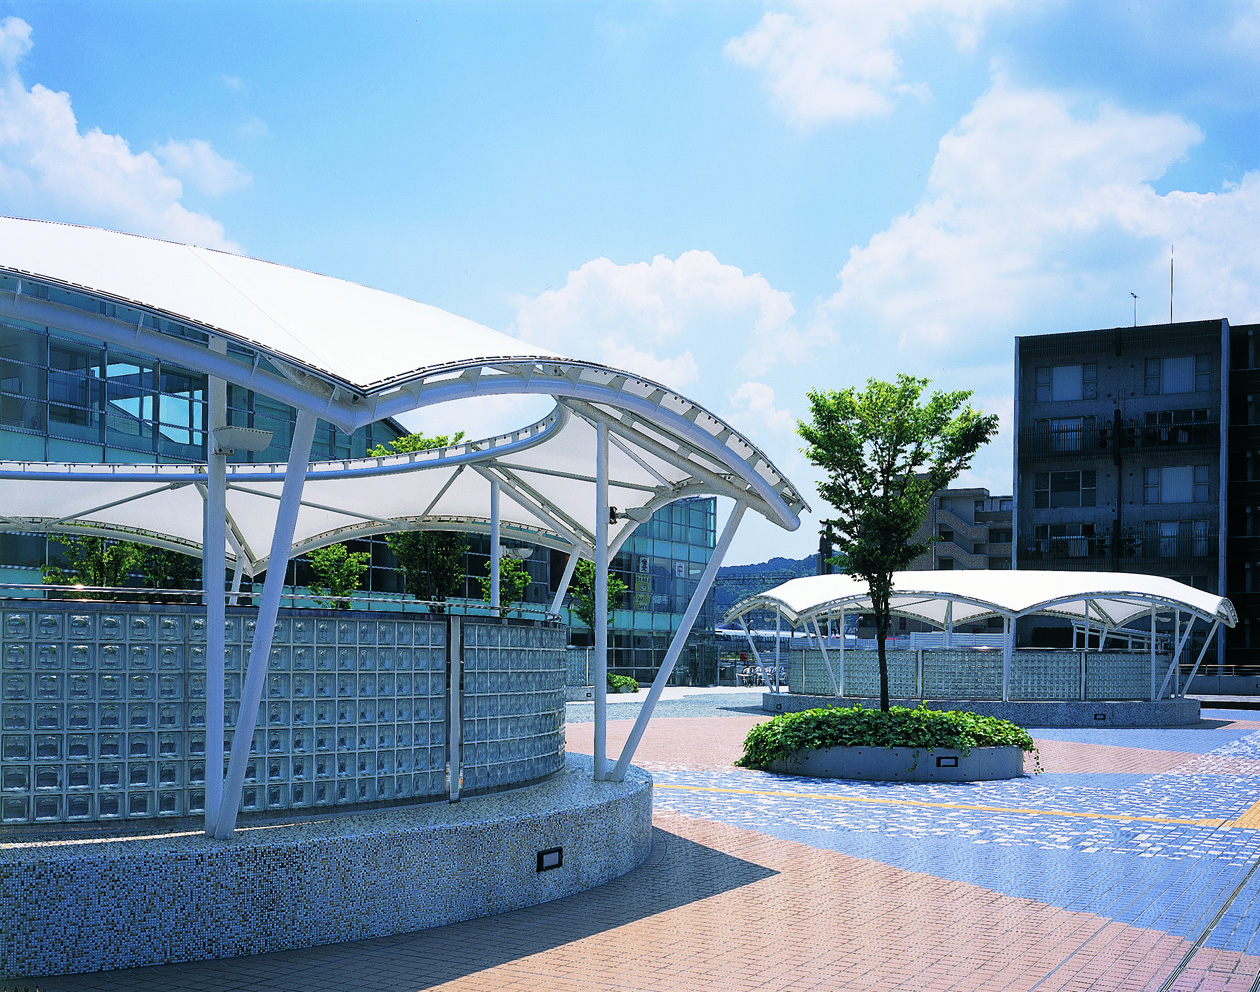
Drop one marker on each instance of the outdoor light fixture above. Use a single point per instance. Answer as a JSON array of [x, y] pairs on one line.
[[229, 439], [551, 858], [946, 762]]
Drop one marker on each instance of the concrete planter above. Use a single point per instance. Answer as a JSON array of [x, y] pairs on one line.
[[906, 764]]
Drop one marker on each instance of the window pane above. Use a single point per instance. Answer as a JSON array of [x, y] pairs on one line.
[[1176, 484], [1178, 375], [1065, 382]]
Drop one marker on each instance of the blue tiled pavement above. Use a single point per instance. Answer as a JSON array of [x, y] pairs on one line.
[[1168, 876]]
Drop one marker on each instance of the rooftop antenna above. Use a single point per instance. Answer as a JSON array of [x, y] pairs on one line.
[[1171, 252], [1135, 299]]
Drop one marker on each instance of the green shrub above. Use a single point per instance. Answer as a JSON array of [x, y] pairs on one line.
[[616, 682], [784, 737]]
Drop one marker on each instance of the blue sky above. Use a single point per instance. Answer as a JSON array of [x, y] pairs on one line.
[[743, 200]]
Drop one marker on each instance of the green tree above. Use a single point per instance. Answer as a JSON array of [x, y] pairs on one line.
[[93, 561], [339, 571], [416, 442], [432, 561], [165, 569], [583, 592], [884, 454], [513, 581]]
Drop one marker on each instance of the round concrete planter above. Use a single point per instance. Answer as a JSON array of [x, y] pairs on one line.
[[907, 764]]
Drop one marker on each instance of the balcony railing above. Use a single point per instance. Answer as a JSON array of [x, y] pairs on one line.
[[1136, 553], [1098, 441]]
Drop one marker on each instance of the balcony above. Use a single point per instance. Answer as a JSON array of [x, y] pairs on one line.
[[1156, 555], [1101, 441]]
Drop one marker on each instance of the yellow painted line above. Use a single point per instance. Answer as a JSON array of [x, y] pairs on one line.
[[1242, 821]]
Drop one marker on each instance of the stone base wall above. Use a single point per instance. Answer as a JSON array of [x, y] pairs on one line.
[[73, 907]]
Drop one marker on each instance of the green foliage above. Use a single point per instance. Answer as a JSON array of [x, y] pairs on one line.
[[94, 561], [584, 592], [513, 581], [164, 569], [617, 682], [416, 442], [885, 454], [338, 571], [784, 737], [432, 563]]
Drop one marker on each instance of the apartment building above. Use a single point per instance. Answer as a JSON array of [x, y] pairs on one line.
[[972, 529], [1137, 449]]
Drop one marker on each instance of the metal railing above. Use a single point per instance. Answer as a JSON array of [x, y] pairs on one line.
[[1103, 439], [299, 598]]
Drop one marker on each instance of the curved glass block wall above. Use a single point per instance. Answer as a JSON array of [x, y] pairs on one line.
[[103, 713]]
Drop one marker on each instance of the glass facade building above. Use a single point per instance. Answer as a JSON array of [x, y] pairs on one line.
[[66, 398]]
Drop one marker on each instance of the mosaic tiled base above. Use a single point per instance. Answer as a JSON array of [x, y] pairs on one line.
[[86, 905], [1178, 712]]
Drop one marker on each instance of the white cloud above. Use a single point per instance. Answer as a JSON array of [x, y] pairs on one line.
[[50, 169], [201, 166], [752, 410], [15, 41], [653, 318], [253, 127], [1040, 207], [835, 59], [234, 83]]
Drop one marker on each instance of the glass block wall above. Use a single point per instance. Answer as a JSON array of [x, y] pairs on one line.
[[103, 713], [964, 674], [513, 705]]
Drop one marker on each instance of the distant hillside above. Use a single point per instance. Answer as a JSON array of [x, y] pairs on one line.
[[735, 582]]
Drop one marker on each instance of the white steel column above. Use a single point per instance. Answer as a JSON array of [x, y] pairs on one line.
[[268, 607], [778, 642], [826, 661], [949, 624], [1176, 660], [600, 676], [565, 579], [676, 645], [756, 654], [1008, 624], [1185, 690], [842, 611], [1153, 676], [495, 551], [213, 565], [236, 581]]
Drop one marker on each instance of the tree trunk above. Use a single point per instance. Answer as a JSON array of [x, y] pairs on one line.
[[881, 634]]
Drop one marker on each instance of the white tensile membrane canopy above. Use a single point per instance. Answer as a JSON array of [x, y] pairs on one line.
[[1104, 602], [546, 487], [1109, 599], [616, 447]]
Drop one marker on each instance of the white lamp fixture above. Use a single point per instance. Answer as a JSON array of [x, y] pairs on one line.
[[229, 439]]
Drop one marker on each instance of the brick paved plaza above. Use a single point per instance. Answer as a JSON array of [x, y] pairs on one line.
[[1129, 863]]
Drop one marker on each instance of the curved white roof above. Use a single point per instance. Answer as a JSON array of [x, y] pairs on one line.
[[1110, 598], [360, 336], [353, 355]]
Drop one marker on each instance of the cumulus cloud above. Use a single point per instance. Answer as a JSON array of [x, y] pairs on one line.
[[1039, 203], [15, 41], [653, 317], [49, 168], [202, 167], [827, 60], [752, 409]]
